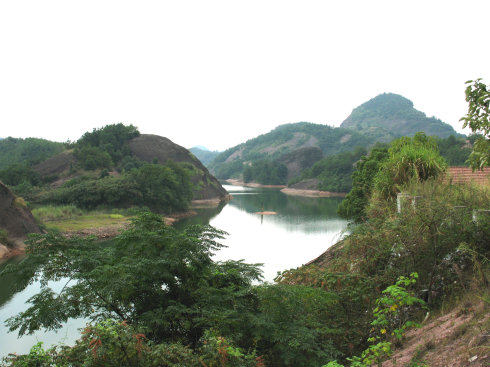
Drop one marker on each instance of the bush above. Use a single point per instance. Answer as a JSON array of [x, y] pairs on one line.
[[3, 236], [162, 188]]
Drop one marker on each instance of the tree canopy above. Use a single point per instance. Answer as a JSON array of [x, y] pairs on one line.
[[478, 120]]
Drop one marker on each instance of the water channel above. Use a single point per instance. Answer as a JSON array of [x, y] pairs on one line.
[[302, 229]]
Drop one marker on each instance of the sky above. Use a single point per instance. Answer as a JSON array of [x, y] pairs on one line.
[[217, 73]]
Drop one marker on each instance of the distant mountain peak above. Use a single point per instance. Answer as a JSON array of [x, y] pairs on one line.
[[397, 115], [200, 147]]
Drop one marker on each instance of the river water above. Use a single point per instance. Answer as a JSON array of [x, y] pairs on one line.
[[302, 229]]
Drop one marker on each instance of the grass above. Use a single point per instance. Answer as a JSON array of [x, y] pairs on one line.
[[87, 221], [70, 218], [50, 213]]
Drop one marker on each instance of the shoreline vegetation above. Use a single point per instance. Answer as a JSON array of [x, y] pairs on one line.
[[85, 225]]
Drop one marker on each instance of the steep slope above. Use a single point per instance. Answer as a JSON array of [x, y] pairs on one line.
[[150, 147], [145, 148], [396, 115], [15, 219]]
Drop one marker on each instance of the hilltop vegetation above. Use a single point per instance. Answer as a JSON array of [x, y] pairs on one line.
[[286, 139], [27, 151], [381, 119], [114, 166], [397, 116]]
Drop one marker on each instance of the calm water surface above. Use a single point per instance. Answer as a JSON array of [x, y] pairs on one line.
[[302, 229]]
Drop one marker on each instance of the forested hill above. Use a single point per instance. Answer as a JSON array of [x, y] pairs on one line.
[[397, 116], [288, 138], [114, 166], [26, 151], [381, 119]]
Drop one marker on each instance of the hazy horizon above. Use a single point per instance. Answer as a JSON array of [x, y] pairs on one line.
[[196, 72]]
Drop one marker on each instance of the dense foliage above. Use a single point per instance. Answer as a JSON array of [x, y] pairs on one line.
[[388, 170], [165, 285], [455, 150], [334, 173], [285, 139], [105, 147], [409, 159], [354, 204], [162, 284], [478, 119], [19, 173], [397, 116], [164, 188], [266, 172], [27, 151]]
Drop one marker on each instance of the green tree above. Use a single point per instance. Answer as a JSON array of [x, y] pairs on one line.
[[153, 276], [111, 140], [354, 204], [477, 118], [18, 173], [91, 158], [409, 159]]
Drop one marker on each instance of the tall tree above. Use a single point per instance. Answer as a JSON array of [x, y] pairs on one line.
[[478, 98]]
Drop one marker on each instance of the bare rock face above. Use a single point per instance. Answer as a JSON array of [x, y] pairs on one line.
[[15, 218]]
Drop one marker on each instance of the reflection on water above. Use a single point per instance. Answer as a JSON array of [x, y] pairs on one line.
[[14, 294], [302, 229]]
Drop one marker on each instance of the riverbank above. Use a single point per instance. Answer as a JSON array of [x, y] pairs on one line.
[[234, 182], [90, 228], [312, 193], [289, 191], [210, 203]]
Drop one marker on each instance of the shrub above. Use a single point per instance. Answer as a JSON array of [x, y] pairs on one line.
[[3, 236]]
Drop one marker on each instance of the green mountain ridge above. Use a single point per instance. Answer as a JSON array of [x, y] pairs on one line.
[[285, 139], [381, 119], [112, 165], [397, 116]]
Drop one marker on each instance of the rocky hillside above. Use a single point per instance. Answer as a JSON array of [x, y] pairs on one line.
[[280, 143], [147, 148], [381, 119], [150, 147], [397, 116], [16, 221]]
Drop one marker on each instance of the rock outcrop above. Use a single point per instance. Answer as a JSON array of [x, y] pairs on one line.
[[150, 147], [16, 221]]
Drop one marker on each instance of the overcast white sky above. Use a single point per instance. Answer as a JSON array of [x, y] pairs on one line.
[[217, 73]]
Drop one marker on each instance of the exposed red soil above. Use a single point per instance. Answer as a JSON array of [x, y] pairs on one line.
[[459, 338]]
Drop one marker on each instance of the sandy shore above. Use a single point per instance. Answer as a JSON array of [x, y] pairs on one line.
[[312, 193], [210, 203], [252, 184]]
